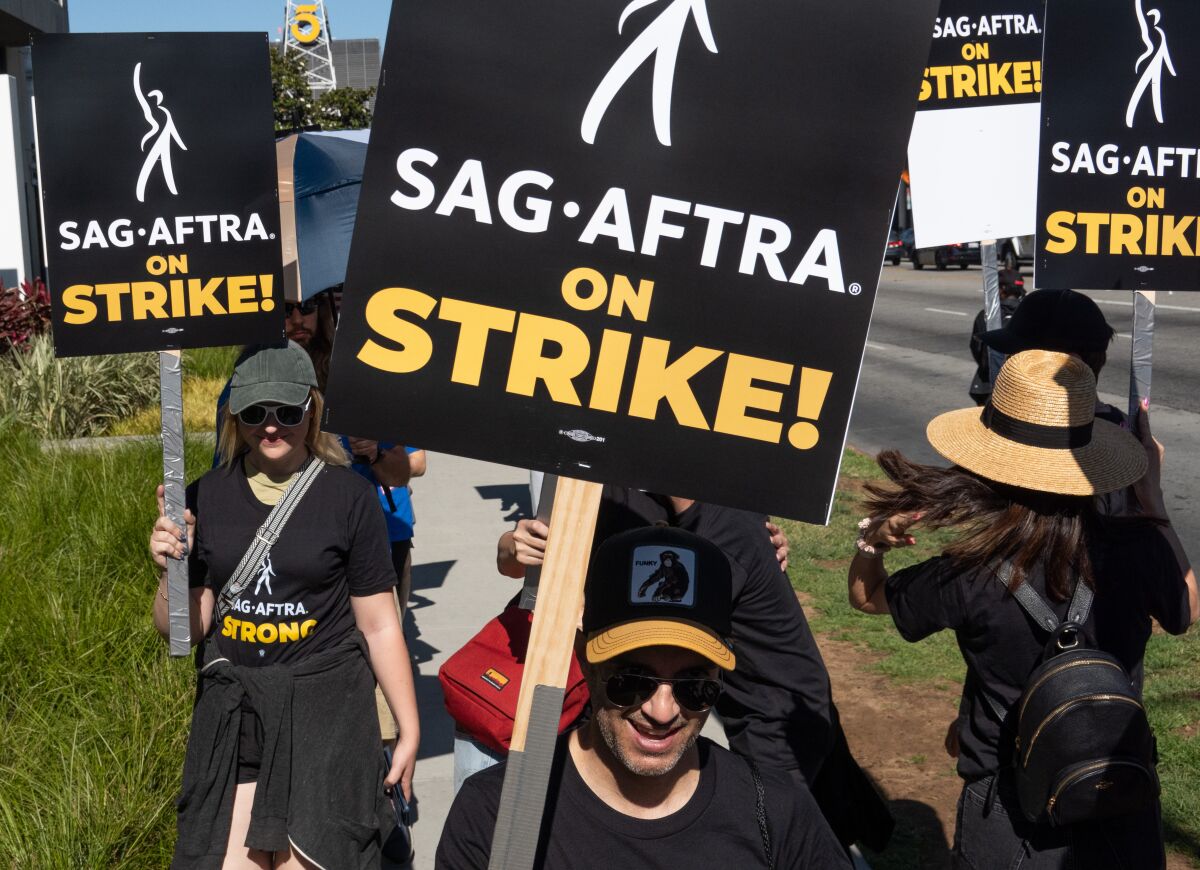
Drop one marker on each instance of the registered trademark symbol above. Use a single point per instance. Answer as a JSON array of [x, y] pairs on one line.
[[855, 289]]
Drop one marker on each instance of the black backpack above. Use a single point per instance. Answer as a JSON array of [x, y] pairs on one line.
[[1084, 749]]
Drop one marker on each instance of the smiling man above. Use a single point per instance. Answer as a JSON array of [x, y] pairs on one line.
[[636, 785]]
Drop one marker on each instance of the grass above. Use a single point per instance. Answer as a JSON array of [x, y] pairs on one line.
[[205, 372], [93, 715], [820, 558]]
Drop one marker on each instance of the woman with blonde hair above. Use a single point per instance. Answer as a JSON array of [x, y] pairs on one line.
[[283, 766], [1021, 495]]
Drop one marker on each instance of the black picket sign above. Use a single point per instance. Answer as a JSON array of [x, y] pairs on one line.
[[629, 242], [158, 183], [1119, 169]]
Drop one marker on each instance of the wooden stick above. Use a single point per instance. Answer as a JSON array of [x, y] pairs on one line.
[[170, 379], [539, 706], [1141, 358]]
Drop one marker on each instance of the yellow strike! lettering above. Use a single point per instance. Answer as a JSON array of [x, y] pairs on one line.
[[1151, 235], [475, 323], [149, 299], [610, 370], [1062, 237], [739, 394], [1092, 221], [80, 308], [243, 294], [530, 364], [1125, 234], [178, 298], [625, 298], [382, 310], [655, 380], [202, 296], [112, 294], [1173, 235]]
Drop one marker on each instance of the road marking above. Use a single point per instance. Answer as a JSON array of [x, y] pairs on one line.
[[945, 311], [1124, 335], [1130, 305], [873, 346]]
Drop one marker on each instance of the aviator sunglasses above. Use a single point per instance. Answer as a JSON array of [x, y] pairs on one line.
[[696, 694], [288, 416]]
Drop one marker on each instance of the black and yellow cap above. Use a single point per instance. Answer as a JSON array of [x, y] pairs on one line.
[[658, 587]]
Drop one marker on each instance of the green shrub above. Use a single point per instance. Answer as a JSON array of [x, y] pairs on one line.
[[76, 397]]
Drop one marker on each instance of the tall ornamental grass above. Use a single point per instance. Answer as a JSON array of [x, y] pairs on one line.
[[75, 397], [93, 713]]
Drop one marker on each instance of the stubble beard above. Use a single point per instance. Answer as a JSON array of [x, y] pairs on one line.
[[604, 720]]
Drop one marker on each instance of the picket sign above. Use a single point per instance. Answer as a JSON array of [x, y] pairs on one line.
[[1142, 353], [170, 379], [551, 642]]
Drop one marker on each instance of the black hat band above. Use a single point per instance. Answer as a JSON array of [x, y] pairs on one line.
[[1035, 434]]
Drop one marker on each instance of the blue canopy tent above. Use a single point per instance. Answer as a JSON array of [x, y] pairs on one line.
[[326, 175]]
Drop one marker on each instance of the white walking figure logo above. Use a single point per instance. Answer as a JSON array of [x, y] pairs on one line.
[[660, 39], [265, 573], [160, 152], [1152, 74]]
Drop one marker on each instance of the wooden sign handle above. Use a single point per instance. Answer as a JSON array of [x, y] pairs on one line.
[[539, 706]]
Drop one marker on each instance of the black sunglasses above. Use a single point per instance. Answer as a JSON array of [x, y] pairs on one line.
[[696, 694], [308, 306], [285, 415]]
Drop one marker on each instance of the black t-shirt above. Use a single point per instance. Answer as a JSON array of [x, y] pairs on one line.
[[333, 546], [1137, 577], [775, 707], [717, 827]]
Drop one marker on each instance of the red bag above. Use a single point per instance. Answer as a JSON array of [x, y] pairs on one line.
[[482, 681]]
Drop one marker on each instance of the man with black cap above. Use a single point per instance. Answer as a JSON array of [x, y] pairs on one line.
[[636, 785], [1063, 321]]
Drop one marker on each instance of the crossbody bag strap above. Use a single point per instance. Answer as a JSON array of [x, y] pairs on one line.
[[265, 538], [760, 813]]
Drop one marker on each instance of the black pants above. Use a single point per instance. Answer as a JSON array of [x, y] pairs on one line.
[[992, 834]]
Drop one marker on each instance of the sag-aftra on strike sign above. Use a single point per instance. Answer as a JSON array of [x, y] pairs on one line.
[[634, 242], [1119, 170], [157, 171]]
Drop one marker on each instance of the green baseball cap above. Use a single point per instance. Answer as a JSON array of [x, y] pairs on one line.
[[264, 373]]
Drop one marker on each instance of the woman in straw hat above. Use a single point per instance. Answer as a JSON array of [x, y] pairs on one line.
[[1021, 493]]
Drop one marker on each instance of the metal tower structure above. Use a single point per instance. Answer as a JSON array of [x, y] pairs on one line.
[[306, 30]]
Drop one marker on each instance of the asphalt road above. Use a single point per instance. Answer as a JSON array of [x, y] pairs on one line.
[[917, 365]]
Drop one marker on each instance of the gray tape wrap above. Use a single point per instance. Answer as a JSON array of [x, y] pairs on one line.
[[526, 778], [533, 574], [991, 301], [1142, 357], [170, 377]]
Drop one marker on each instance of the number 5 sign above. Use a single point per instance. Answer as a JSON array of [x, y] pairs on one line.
[[304, 23]]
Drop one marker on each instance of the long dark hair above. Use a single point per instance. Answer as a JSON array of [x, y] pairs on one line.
[[998, 523], [320, 346]]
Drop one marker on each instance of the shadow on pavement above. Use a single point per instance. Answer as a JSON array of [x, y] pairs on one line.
[[513, 497]]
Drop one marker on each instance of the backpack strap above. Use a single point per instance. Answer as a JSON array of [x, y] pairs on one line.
[[1033, 603], [265, 538], [760, 813]]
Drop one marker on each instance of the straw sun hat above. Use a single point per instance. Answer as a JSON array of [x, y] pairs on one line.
[[1040, 432]]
